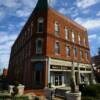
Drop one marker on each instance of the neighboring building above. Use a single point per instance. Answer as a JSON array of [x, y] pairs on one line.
[[47, 48], [96, 61], [96, 65]]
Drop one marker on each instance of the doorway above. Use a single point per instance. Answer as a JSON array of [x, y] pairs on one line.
[[58, 80]]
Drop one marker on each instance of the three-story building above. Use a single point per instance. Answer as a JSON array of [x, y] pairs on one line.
[[47, 48]]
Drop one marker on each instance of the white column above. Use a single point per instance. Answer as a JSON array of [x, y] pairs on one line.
[[49, 76], [92, 76]]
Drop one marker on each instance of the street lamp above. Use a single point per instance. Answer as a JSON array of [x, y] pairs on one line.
[[92, 76]]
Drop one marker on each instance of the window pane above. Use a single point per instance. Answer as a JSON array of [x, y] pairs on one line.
[[40, 24], [75, 52], [57, 28], [57, 48], [40, 27], [79, 40], [39, 44], [66, 34], [81, 54], [86, 55], [67, 51], [73, 37]]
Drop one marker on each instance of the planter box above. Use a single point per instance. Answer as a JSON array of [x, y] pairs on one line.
[[73, 96], [11, 89], [20, 89]]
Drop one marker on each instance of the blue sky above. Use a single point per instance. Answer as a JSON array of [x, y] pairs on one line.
[[14, 14]]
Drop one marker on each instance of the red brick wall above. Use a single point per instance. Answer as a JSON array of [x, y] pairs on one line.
[[51, 38]]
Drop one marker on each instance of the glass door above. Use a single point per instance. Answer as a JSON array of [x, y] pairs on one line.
[[58, 80]]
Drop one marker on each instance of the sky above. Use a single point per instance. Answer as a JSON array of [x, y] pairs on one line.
[[14, 14]]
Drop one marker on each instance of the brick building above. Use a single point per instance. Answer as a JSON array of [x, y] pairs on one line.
[[96, 60], [46, 49]]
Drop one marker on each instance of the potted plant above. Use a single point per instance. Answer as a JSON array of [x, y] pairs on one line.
[[74, 94], [16, 88]]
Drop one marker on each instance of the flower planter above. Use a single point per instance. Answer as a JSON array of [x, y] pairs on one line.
[[11, 89], [20, 90], [73, 96]]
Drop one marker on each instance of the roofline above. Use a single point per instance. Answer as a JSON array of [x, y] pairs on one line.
[[68, 19]]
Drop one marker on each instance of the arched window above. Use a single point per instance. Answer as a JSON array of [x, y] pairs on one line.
[[40, 25], [39, 46], [73, 37], [57, 47], [67, 50], [79, 39], [57, 28], [66, 34], [75, 52]]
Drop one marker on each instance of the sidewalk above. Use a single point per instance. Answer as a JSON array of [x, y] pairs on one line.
[[40, 93]]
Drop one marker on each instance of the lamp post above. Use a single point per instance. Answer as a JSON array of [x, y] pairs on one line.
[[92, 76], [78, 65]]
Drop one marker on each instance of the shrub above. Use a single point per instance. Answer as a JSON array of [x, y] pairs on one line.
[[90, 91], [89, 98], [49, 85]]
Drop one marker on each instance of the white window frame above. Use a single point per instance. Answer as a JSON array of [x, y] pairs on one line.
[[56, 28], [39, 50], [73, 36], [68, 52], [84, 41], [66, 33], [57, 47], [79, 39], [87, 55], [75, 52], [40, 20], [81, 54]]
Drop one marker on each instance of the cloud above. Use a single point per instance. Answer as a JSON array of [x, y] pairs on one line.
[[9, 3], [6, 41], [98, 13], [93, 36], [23, 13], [2, 15], [88, 23], [62, 10], [86, 3], [52, 2], [29, 3]]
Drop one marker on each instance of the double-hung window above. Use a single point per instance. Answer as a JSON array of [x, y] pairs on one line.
[[75, 52], [57, 28], [73, 37], [81, 54], [57, 47], [40, 25], [68, 51], [39, 46], [66, 34]]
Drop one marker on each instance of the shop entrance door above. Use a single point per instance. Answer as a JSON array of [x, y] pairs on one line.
[[58, 80]]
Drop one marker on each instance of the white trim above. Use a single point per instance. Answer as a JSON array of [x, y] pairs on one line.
[[49, 77]]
